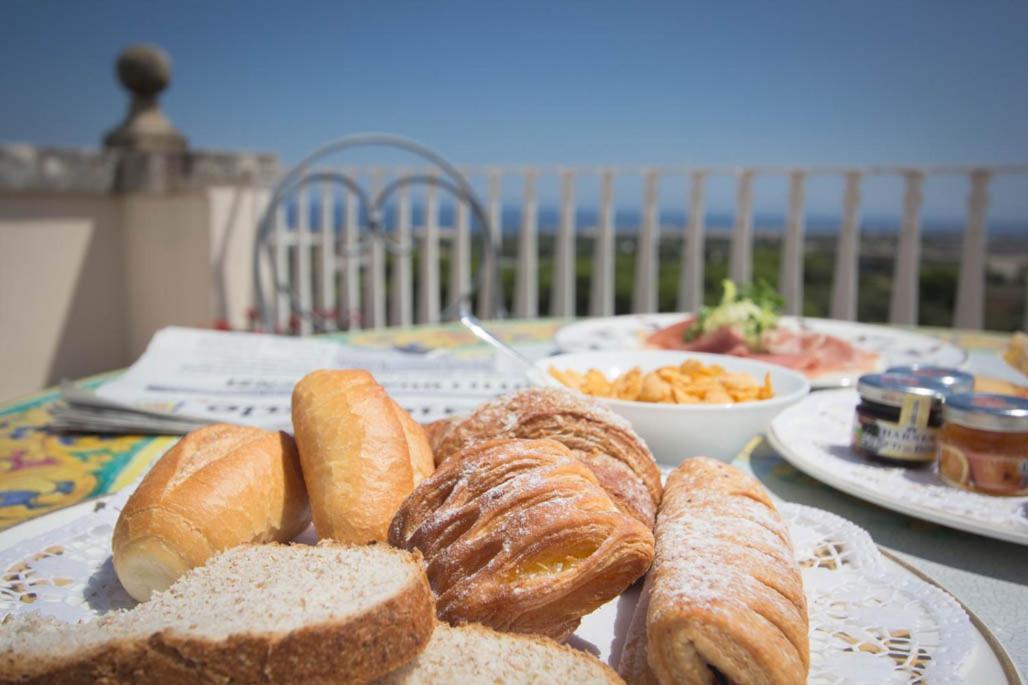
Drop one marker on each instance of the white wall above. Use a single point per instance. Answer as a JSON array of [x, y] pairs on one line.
[[62, 308], [85, 280], [167, 268], [233, 215]]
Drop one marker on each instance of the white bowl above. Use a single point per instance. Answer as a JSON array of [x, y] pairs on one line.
[[675, 432]]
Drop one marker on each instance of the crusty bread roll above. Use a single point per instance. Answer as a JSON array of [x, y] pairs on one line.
[[421, 459], [218, 487], [361, 453]]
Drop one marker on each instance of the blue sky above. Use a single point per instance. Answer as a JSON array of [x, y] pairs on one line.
[[555, 82]]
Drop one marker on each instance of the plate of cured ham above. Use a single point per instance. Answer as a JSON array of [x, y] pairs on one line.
[[830, 353]]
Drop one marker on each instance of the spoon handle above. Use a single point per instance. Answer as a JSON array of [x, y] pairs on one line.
[[531, 370]]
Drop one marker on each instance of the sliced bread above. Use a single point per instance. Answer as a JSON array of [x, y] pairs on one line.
[[473, 654], [258, 613]]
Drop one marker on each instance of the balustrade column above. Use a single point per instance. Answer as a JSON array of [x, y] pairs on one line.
[[690, 281], [563, 293], [790, 276], [489, 286], [302, 263], [374, 273], [401, 309], [283, 305], [647, 258], [742, 233], [971, 281], [602, 295], [526, 289], [460, 254], [847, 252], [327, 263], [428, 288], [351, 262], [903, 306]]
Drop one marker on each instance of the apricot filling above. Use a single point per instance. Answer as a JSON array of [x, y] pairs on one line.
[[551, 562]]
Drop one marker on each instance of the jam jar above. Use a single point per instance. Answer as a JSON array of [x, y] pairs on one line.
[[983, 445], [955, 380], [898, 417]]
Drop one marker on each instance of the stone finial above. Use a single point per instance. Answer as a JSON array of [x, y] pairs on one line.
[[145, 71]]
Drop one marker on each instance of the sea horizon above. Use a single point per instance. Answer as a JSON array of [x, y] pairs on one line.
[[628, 221]]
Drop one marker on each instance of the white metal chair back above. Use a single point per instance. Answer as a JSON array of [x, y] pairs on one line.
[[295, 271]]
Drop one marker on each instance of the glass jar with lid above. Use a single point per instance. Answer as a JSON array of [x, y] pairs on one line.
[[898, 417], [954, 380], [983, 445]]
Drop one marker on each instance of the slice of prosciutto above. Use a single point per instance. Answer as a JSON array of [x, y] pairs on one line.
[[811, 353]]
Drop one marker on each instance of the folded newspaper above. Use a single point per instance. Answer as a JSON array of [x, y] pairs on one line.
[[187, 378]]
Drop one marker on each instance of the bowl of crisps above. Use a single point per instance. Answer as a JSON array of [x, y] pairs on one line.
[[683, 404]]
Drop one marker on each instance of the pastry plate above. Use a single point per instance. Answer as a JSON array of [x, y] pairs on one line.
[[872, 619], [814, 436], [893, 345]]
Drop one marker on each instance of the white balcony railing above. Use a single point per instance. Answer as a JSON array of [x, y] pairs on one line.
[[348, 287]]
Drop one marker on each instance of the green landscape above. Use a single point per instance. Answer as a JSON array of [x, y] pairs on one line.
[[1005, 298]]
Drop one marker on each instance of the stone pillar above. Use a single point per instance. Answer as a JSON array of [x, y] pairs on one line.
[[145, 71], [151, 154], [100, 248]]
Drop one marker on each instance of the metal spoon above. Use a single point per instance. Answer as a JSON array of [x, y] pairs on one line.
[[534, 373]]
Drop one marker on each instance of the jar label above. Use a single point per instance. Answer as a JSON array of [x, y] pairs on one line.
[[915, 412], [908, 442]]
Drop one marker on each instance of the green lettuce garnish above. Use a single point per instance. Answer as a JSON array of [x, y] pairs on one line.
[[750, 311]]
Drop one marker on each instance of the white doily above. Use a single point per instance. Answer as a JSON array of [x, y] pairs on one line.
[[814, 435], [869, 624]]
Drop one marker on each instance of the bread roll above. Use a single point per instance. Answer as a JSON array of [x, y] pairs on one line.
[[421, 459], [218, 487], [361, 453]]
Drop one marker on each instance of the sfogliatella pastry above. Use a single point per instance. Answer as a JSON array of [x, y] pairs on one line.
[[519, 536], [218, 487], [599, 437], [361, 453], [724, 600], [437, 432]]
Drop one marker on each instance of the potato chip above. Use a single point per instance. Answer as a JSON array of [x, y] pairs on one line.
[[691, 382], [654, 389]]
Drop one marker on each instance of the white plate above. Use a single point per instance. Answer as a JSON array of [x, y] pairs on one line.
[[814, 436], [853, 593], [894, 346]]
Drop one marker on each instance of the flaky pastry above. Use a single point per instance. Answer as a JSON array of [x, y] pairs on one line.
[[518, 535], [724, 600], [599, 437]]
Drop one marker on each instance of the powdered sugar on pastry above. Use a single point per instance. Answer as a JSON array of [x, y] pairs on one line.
[[596, 435], [519, 536], [725, 594]]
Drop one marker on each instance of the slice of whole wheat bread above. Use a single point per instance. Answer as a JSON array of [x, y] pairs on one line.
[[253, 614], [473, 654]]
